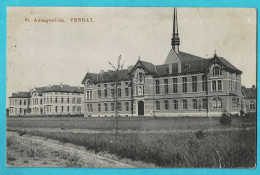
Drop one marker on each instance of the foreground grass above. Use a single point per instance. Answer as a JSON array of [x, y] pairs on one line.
[[134, 123], [29, 154], [212, 150]]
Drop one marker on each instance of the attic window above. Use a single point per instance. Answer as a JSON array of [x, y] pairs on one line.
[[217, 71], [186, 66]]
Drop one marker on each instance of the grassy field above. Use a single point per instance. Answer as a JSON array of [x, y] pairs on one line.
[[228, 149], [135, 123], [212, 150]]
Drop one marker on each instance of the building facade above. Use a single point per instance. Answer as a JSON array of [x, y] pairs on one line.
[[49, 100], [184, 85], [249, 103]]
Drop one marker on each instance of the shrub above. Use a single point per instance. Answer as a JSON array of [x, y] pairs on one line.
[[225, 119], [200, 134]]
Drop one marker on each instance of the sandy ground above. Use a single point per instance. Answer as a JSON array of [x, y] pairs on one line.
[[32, 151]]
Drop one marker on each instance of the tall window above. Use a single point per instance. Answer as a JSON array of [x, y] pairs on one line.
[[194, 104], [126, 92], [62, 109], [99, 93], [184, 104], [175, 104], [217, 71], [204, 103], [112, 92], [68, 108], [119, 106], [252, 105], [105, 90], [126, 106], [56, 108], [217, 103], [105, 106], [230, 85], [184, 84], [194, 83], [99, 107], [219, 85], [166, 105], [157, 87], [214, 85], [157, 105], [204, 83], [68, 100], [234, 103], [61, 100], [166, 91], [112, 107], [175, 85], [119, 92]]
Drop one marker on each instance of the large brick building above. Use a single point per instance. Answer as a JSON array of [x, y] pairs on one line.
[[49, 100], [184, 85]]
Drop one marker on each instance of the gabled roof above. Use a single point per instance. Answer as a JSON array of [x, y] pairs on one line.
[[104, 77], [249, 93], [229, 65], [20, 95]]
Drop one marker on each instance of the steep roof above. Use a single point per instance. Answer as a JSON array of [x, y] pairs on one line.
[[250, 93], [20, 95], [104, 77], [173, 57]]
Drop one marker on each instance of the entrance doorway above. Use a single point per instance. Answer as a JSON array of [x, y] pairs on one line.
[[140, 108]]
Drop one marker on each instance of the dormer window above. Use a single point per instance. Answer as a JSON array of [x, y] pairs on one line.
[[217, 71]]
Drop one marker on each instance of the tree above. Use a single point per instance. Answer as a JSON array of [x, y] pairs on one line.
[[114, 76]]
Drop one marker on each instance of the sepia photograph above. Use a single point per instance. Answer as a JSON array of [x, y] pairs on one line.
[[131, 87]]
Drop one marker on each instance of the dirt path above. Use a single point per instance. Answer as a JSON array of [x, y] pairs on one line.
[[130, 131], [45, 146]]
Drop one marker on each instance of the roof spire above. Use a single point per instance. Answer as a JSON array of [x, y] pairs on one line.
[[175, 35], [215, 54]]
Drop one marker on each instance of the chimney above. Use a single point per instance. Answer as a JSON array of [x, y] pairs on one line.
[[179, 67], [102, 71], [61, 85], [170, 69]]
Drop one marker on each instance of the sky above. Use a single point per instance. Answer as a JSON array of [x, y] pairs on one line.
[[42, 54]]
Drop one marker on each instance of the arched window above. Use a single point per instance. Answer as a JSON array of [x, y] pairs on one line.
[[112, 107], [99, 107], [194, 104], [217, 103], [166, 105], [184, 104], [217, 71], [119, 106], [126, 106], [204, 103], [252, 105], [157, 105], [105, 105], [175, 104]]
